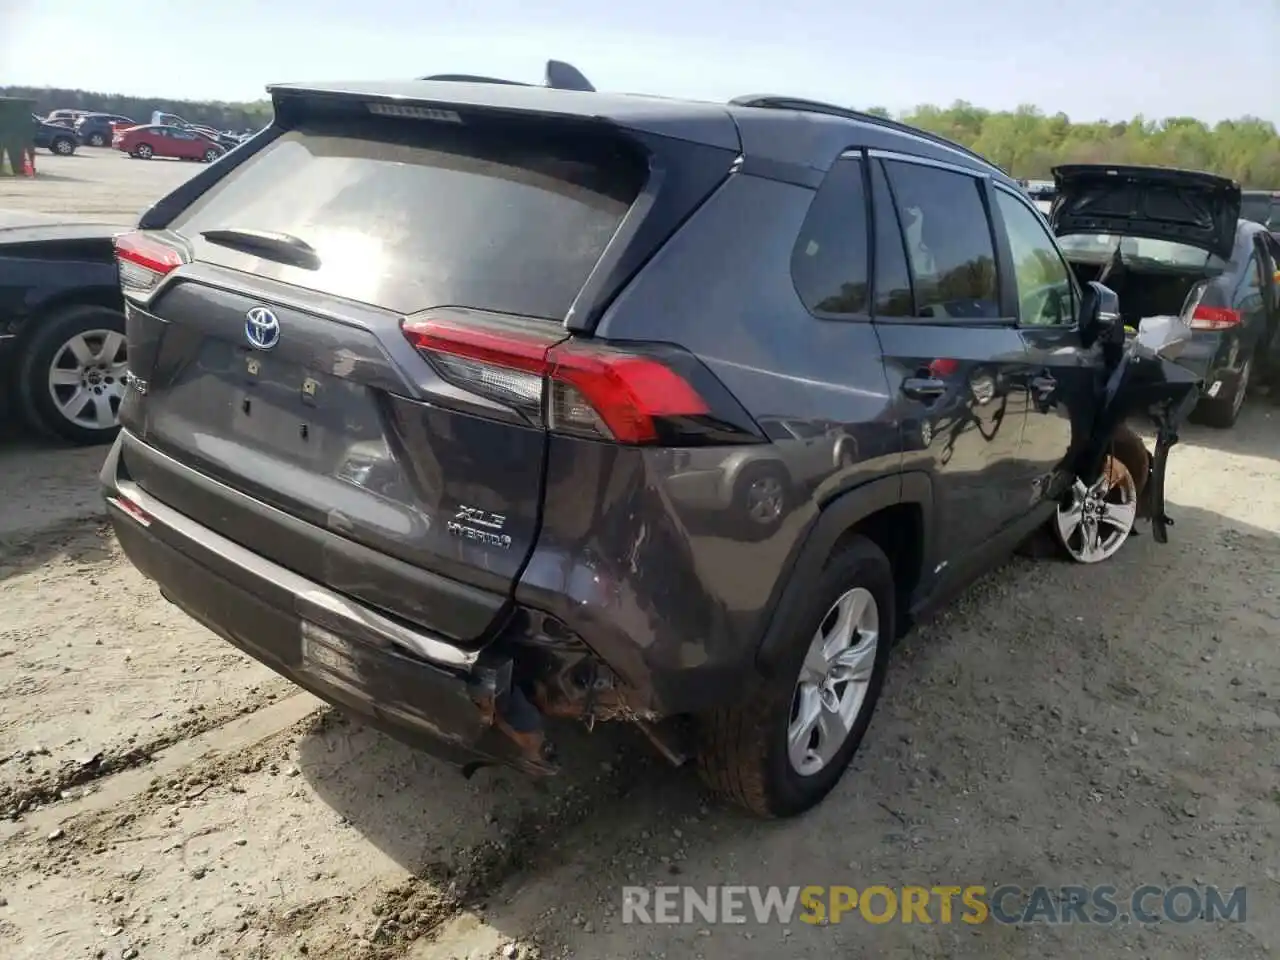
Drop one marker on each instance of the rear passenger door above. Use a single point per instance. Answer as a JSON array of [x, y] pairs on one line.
[[955, 362], [1063, 378]]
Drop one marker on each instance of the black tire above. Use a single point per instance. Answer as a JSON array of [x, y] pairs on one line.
[[36, 356], [97, 140], [143, 151], [62, 146], [211, 155], [743, 748], [744, 523], [1222, 412]]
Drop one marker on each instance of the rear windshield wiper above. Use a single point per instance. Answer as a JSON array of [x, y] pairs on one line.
[[283, 247]]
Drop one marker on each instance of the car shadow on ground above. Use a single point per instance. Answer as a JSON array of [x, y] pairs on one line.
[[983, 726], [472, 834], [52, 504]]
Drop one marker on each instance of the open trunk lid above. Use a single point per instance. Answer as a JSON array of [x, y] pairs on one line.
[[1158, 203], [283, 401]]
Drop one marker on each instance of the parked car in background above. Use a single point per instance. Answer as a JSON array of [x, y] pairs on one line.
[[1262, 206], [178, 143], [411, 399], [56, 139], [1172, 242], [63, 357], [97, 129], [65, 118], [224, 140]]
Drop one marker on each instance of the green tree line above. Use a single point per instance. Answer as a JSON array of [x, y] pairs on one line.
[[1027, 143], [1024, 142]]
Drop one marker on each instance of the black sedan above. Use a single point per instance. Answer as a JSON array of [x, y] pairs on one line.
[[54, 138], [62, 344]]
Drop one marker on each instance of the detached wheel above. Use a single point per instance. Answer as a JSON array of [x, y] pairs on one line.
[[1223, 411], [71, 374], [783, 748], [62, 146], [1094, 523]]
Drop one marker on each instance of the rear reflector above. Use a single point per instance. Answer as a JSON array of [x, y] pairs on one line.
[[143, 262], [570, 386], [125, 505], [1214, 318]]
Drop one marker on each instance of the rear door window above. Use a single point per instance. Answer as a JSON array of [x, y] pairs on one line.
[[948, 239], [409, 215], [829, 262]]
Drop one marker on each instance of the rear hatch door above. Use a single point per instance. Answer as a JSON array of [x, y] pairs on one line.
[[1158, 203], [295, 415]]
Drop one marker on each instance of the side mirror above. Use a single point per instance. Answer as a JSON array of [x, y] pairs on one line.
[[1100, 320], [1162, 336]]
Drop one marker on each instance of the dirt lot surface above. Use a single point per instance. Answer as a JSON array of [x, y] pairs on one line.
[[162, 796]]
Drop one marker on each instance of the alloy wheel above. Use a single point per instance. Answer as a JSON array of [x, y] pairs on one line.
[[87, 378], [764, 500], [1096, 520], [834, 679], [64, 148]]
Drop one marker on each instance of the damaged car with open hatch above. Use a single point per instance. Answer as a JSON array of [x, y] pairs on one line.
[[1172, 242]]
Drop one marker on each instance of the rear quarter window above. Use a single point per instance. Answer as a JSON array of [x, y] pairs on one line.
[[410, 214]]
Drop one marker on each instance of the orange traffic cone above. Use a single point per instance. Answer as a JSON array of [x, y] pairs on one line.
[[29, 163]]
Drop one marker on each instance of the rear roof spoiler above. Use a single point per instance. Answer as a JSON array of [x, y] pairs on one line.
[[559, 76]]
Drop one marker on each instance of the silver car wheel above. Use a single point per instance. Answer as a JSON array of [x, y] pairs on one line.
[[764, 500], [1097, 520], [87, 378], [834, 680]]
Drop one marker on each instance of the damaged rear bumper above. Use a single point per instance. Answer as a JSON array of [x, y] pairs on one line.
[[460, 705]]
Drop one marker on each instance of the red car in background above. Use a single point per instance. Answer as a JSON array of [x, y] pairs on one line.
[[179, 143]]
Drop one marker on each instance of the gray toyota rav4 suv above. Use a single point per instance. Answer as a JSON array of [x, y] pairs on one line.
[[475, 407]]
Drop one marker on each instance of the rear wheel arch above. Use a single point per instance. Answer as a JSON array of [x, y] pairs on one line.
[[893, 512], [92, 296]]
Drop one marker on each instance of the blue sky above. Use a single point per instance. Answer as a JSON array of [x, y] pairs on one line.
[[1092, 60]]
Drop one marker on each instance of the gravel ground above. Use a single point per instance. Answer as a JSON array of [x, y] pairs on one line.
[[162, 796]]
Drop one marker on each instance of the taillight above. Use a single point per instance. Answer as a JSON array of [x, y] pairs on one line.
[[1214, 318], [143, 262], [571, 386]]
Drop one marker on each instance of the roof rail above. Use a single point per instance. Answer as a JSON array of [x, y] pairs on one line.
[[771, 101], [559, 76]]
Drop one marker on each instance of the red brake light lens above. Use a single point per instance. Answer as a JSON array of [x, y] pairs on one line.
[[573, 387], [143, 262], [1214, 318]]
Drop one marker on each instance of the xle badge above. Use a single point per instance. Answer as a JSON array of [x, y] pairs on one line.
[[472, 523]]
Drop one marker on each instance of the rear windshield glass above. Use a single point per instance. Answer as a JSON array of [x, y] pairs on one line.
[[413, 214], [1102, 246]]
